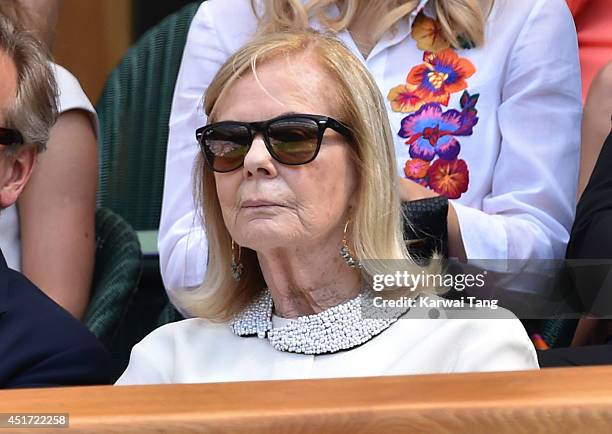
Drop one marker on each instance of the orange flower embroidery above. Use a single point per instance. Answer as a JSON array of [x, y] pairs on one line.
[[428, 34], [449, 178], [440, 75], [404, 100], [416, 169]]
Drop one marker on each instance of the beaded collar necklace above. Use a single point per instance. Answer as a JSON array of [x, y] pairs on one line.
[[338, 328]]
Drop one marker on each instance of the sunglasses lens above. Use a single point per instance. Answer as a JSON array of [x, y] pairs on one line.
[[226, 145], [294, 140]]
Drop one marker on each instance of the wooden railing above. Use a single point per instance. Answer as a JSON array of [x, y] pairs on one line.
[[573, 400]]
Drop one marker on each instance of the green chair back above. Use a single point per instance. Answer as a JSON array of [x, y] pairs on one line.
[[116, 274], [134, 110]]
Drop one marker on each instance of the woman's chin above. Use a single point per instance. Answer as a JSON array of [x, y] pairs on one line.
[[262, 240], [260, 236]]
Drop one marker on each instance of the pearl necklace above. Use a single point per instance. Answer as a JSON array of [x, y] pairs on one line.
[[338, 328]]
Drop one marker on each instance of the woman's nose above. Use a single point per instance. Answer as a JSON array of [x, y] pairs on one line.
[[258, 160]]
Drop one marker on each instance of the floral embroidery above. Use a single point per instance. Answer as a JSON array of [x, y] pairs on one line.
[[431, 131], [449, 178], [433, 81], [416, 170], [439, 75], [428, 34], [403, 99]]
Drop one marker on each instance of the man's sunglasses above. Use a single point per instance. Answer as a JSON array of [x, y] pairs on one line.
[[290, 139], [10, 137]]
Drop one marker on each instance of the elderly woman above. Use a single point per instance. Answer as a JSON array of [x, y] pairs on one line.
[[463, 80], [296, 144]]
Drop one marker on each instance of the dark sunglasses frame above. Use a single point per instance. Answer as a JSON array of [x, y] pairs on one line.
[[323, 123], [10, 137]]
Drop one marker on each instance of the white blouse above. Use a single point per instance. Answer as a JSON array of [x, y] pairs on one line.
[[508, 113], [196, 351], [71, 97]]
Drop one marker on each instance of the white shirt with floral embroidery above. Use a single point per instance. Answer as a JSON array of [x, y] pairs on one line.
[[496, 129]]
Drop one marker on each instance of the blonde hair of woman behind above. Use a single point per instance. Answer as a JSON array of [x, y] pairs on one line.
[[459, 19], [376, 221]]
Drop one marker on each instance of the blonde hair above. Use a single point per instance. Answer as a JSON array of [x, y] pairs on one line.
[[34, 110], [460, 20], [376, 221]]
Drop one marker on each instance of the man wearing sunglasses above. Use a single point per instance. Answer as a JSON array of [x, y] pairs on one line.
[[40, 343]]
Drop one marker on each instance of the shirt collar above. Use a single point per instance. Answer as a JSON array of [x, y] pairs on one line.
[[338, 328], [401, 31]]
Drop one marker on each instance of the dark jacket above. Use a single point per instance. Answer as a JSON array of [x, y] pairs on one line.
[[589, 250], [591, 236], [41, 344]]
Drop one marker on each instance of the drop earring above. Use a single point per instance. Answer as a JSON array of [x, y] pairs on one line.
[[345, 251], [236, 266]]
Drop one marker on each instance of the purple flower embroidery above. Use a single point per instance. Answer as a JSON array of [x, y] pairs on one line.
[[431, 131]]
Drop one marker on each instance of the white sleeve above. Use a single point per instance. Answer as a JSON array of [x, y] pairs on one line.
[[496, 345], [183, 248], [531, 206]]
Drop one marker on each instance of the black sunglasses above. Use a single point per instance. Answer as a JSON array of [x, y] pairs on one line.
[[10, 137], [290, 139]]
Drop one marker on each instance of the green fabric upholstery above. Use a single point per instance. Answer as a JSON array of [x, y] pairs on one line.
[[117, 271], [134, 110]]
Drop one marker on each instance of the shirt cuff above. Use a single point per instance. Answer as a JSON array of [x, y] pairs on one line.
[[484, 235]]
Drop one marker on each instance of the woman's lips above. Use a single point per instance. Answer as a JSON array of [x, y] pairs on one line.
[[258, 204]]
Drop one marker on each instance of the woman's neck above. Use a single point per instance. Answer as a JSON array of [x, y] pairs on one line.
[[365, 21], [308, 280]]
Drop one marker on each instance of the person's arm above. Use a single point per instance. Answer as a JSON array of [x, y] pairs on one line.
[[183, 248], [42, 345], [76, 366], [56, 214], [596, 123], [182, 244], [530, 207]]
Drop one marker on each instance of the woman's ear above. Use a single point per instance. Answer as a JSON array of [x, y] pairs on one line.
[[15, 171]]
